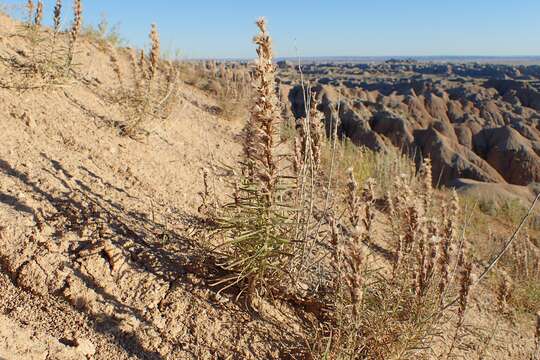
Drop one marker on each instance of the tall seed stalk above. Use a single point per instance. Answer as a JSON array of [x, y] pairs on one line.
[[57, 23], [57, 17], [74, 32], [265, 115], [30, 13], [154, 53], [258, 224], [39, 14]]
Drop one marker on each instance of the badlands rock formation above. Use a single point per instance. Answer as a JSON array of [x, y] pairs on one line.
[[478, 122]]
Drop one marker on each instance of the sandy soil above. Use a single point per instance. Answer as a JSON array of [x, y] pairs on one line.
[[99, 243]]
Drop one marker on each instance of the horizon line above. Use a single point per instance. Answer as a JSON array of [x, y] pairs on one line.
[[378, 57]]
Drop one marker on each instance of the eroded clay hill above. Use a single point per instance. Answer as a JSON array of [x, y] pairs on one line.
[[480, 126]]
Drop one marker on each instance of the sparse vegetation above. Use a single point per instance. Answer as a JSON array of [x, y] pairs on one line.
[[104, 33], [357, 247], [229, 84], [273, 243], [47, 63], [383, 167], [151, 91]]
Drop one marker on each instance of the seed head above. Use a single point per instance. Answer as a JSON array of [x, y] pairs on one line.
[[39, 13], [427, 183], [312, 133], [265, 117], [30, 10], [57, 16], [298, 160], [77, 20], [352, 200], [142, 65], [465, 286], [154, 54], [504, 293]]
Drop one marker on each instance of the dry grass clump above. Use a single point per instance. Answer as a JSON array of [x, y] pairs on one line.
[[228, 83], [151, 90], [46, 63], [401, 310], [520, 268], [383, 167]]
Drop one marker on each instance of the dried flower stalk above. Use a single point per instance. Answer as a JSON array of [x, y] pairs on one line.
[[115, 65], [265, 117], [39, 14], [57, 16], [504, 293], [77, 21], [30, 11], [465, 286], [74, 31], [154, 53], [352, 200], [312, 133], [142, 65]]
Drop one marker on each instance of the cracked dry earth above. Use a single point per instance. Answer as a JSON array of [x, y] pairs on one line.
[[101, 253]]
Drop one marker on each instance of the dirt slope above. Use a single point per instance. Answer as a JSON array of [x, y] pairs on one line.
[[97, 244]]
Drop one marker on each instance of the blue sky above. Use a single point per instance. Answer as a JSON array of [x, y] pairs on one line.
[[224, 28]]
